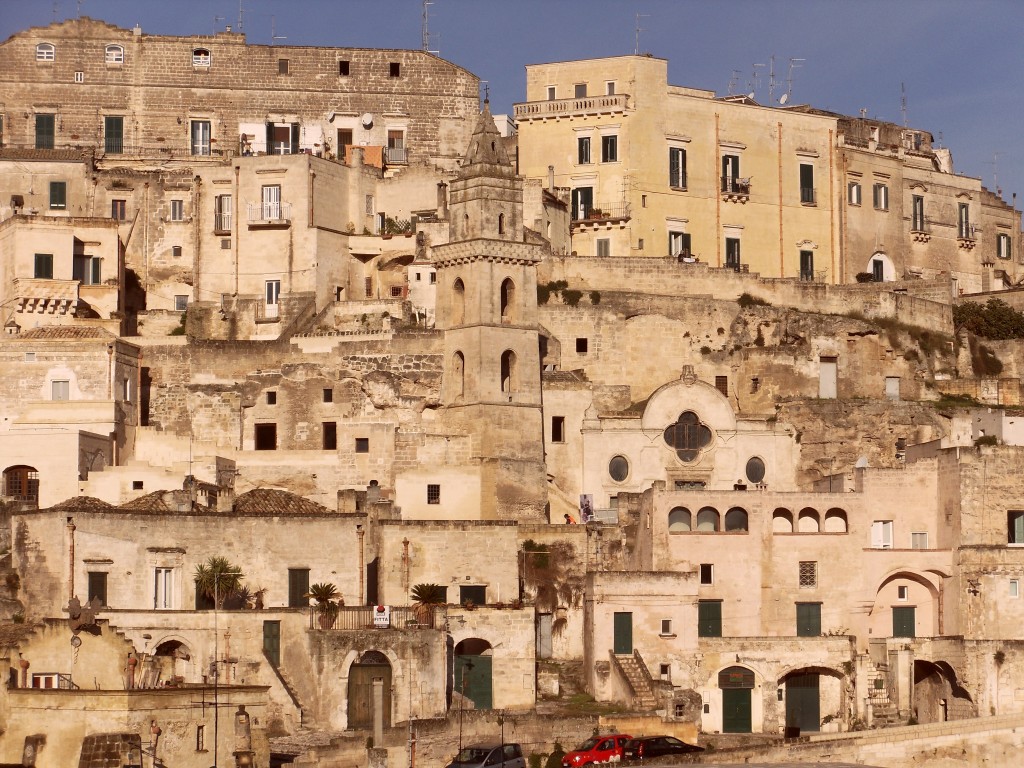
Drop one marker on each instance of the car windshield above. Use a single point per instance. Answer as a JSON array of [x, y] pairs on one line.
[[472, 755], [586, 745]]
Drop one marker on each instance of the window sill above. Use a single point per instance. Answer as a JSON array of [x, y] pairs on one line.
[[668, 636], [677, 189]]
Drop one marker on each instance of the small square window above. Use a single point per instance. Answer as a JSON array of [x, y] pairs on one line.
[[362, 445], [722, 384], [433, 278], [558, 429], [581, 346], [266, 437], [176, 251], [665, 671], [343, 68], [396, 291], [579, 91], [60, 389], [919, 540], [808, 575], [79, 76], [328, 395], [271, 398], [1014, 588], [180, 303], [433, 494], [666, 626], [394, 69], [419, 277], [30, 357], [903, 593], [551, 93], [58, 195], [282, 66], [137, 485], [707, 573], [604, 247]]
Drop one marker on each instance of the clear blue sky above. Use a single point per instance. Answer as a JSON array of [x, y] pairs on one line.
[[960, 61]]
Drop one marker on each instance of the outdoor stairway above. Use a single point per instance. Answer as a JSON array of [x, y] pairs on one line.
[[289, 688], [884, 712], [635, 671]]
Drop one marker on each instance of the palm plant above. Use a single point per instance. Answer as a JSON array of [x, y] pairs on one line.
[[218, 579], [425, 598], [328, 600]]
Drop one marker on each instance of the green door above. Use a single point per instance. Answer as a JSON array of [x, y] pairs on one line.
[[623, 627], [272, 642], [736, 710], [903, 621], [473, 679], [803, 703]]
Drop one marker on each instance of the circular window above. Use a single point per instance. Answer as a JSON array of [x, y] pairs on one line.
[[755, 470], [618, 468]]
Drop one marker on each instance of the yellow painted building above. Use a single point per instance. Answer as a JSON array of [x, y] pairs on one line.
[[655, 169]]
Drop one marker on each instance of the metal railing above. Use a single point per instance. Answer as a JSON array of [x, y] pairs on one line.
[[222, 223], [808, 195], [265, 213], [599, 212], [735, 186], [363, 617], [396, 155]]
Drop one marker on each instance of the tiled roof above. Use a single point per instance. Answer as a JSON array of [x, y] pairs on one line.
[[45, 155], [61, 332], [161, 502], [268, 501], [83, 504]]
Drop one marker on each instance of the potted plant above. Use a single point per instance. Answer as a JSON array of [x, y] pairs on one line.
[[426, 597], [328, 601]]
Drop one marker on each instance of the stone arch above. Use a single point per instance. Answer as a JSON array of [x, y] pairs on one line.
[[708, 519], [808, 521], [680, 520], [938, 695], [473, 671], [782, 521], [835, 521], [458, 302], [888, 268], [501, 223], [919, 606], [458, 375], [170, 663], [812, 693], [736, 520], [509, 384], [363, 672], [508, 300]]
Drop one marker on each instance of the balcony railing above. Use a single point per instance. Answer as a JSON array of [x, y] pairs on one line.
[[396, 155], [373, 617], [735, 187], [808, 196], [600, 213], [589, 105], [268, 313], [222, 223], [270, 213]]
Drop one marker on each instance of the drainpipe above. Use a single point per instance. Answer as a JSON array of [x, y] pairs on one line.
[[405, 564], [362, 575], [236, 225], [782, 247], [71, 557]]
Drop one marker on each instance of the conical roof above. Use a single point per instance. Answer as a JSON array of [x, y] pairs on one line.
[[486, 152]]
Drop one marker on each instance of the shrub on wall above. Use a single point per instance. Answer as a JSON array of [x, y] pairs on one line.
[[746, 300], [994, 320]]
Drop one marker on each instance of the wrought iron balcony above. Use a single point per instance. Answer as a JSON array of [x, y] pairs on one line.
[[594, 213], [396, 155], [735, 188], [270, 214], [808, 196]]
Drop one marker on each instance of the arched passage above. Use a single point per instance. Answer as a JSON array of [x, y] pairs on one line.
[[808, 521], [812, 694], [371, 666], [937, 694], [782, 521], [473, 670], [171, 664], [906, 605]]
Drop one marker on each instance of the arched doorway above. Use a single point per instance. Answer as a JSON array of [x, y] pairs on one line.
[[22, 483], [473, 670], [736, 684], [937, 694], [171, 664], [372, 665]]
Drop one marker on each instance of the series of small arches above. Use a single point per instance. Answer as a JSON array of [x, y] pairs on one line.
[[808, 520], [707, 520]]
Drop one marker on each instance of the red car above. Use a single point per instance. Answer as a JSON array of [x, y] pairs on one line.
[[599, 749]]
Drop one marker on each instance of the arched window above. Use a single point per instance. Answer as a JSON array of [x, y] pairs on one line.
[[679, 520], [501, 223], [45, 52], [508, 298], [458, 302], [22, 483], [201, 57], [508, 371], [736, 519], [809, 522], [458, 374], [114, 54], [782, 521], [835, 521], [707, 519]]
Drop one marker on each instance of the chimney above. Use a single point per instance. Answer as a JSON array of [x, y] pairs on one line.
[[442, 201], [225, 499], [551, 178]]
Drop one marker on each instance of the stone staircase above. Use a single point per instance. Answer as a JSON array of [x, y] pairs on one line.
[[635, 671], [289, 688], [885, 713]]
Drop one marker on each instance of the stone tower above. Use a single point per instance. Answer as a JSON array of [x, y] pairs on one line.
[[487, 308]]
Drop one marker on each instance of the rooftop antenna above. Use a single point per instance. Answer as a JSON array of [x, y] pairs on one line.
[[426, 30], [771, 79], [273, 35], [215, 20], [734, 80], [638, 30], [903, 103], [241, 13], [80, 8], [793, 64], [56, 9], [754, 81], [995, 173]]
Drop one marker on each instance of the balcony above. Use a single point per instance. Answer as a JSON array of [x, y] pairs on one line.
[[808, 196], [41, 296], [810, 276], [593, 214], [965, 237], [268, 313], [735, 189], [270, 215], [396, 155], [596, 105], [222, 224], [364, 617], [920, 231]]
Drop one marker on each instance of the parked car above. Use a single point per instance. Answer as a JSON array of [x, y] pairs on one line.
[[599, 749], [489, 756], [655, 746]]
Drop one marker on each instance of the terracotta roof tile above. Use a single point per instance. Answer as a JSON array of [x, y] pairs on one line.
[[269, 501], [84, 504], [66, 332]]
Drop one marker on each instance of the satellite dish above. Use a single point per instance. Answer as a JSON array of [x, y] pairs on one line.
[[862, 463], [367, 120], [750, 95], [331, 116], [784, 99]]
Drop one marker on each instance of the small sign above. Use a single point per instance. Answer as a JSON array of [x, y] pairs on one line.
[[382, 616]]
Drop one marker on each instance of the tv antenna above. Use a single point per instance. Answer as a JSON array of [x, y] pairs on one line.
[[426, 30], [273, 35], [754, 81], [637, 31], [241, 14], [903, 103], [734, 80], [995, 172], [793, 64]]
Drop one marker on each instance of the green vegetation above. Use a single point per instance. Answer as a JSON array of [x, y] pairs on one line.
[[983, 360], [218, 579], [952, 400], [986, 440], [571, 297], [595, 297], [995, 319], [544, 290], [746, 300]]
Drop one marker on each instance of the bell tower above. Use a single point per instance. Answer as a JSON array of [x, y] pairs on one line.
[[487, 308]]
